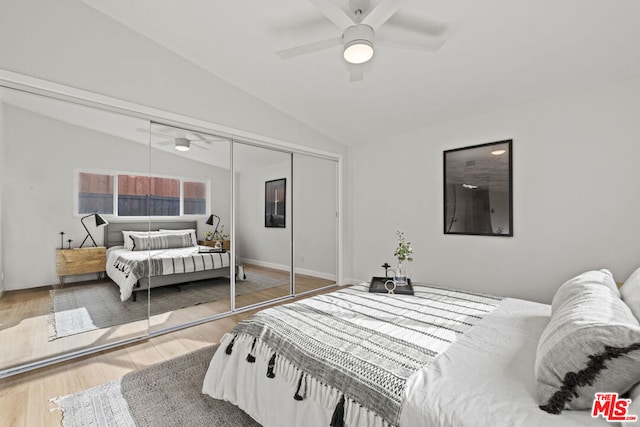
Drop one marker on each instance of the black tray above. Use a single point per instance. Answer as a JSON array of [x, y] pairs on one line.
[[212, 251], [377, 286]]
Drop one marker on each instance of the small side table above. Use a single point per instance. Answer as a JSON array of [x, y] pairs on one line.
[[226, 244], [80, 261]]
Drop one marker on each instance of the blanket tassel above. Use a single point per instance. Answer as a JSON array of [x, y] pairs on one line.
[[271, 367], [229, 348], [300, 394], [250, 357], [337, 420]]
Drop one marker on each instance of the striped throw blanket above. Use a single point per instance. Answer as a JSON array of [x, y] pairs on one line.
[[363, 344], [141, 264]]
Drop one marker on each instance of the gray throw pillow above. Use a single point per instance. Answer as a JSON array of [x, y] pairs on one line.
[[591, 344], [161, 241]]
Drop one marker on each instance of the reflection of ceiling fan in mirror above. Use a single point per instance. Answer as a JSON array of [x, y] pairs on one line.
[[181, 139], [359, 32]]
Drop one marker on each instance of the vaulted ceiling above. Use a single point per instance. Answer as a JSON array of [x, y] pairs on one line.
[[496, 53]]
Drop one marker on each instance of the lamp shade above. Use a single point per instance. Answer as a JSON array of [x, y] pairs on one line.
[[210, 220], [100, 220]]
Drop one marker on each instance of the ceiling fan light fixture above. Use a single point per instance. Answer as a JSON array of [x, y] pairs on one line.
[[183, 144], [358, 52], [358, 44]]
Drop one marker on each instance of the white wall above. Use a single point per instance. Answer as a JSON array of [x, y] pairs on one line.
[[42, 155], [576, 198], [271, 246]]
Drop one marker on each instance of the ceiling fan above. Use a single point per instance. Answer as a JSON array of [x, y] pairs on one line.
[[359, 37], [181, 139]]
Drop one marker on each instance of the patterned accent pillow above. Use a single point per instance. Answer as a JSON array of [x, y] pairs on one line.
[[591, 344], [191, 231], [630, 292], [160, 241], [128, 242]]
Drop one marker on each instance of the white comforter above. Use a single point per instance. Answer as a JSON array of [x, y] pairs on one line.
[[485, 378], [126, 282]]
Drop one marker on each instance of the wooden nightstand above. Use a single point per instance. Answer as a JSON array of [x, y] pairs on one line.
[[80, 261], [226, 244]]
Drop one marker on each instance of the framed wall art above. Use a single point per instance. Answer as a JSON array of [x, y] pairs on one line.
[[478, 192], [275, 203]]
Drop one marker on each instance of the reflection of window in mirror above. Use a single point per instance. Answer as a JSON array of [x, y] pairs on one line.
[[140, 195], [478, 196]]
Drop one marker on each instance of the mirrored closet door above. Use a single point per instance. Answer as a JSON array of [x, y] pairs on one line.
[[61, 164], [263, 223], [190, 193], [93, 199], [315, 221]]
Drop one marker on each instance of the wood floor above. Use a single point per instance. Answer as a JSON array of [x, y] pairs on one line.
[[24, 398]]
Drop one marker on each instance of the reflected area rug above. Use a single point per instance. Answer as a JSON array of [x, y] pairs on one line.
[[165, 395], [97, 305]]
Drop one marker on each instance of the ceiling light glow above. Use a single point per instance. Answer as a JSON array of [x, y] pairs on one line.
[[498, 152], [358, 52]]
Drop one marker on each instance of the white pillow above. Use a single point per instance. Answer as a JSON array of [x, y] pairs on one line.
[[194, 239], [630, 292], [591, 344], [574, 286]]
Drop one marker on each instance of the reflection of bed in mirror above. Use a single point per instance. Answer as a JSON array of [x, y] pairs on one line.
[[135, 271]]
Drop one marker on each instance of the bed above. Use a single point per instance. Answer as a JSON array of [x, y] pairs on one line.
[[135, 271], [442, 357]]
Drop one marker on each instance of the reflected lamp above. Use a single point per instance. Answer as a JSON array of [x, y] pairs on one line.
[[210, 222], [100, 221]]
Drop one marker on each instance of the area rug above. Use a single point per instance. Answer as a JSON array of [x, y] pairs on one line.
[[168, 394], [97, 305]]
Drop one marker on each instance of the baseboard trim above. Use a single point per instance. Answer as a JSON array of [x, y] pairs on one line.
[[306, 272]]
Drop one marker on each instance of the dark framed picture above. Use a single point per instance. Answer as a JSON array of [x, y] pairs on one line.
[[478, 192], [275, 203]]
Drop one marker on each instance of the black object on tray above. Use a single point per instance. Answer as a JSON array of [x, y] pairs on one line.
[[211, 250], [378, 286]]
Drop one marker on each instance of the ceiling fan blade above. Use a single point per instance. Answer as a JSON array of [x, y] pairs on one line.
[[427, 45], [309, 48], [150, 132], [195, 136], [381, 13], [206, 138], [166, 142], [166, 135], [334, 13], [411, 24], [198, 146], [356, 73], [302, 26]]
